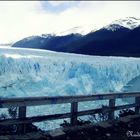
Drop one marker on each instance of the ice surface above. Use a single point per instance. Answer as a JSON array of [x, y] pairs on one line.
[[29, 72]]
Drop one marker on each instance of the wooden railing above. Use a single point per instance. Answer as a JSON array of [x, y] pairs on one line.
[[23, 102]]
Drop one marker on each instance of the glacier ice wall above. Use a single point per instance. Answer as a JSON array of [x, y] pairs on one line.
[[46, 73], [35, 76]]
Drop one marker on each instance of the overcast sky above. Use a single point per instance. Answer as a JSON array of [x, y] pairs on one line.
[[25, 18]]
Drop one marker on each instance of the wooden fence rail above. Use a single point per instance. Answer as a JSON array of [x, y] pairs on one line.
[[23, 102]]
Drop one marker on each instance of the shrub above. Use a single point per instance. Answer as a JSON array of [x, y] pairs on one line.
[[12, 112], [103, 116], [126, 112]]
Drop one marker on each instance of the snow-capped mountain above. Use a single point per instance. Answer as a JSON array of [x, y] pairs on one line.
[[47, 35], [34, 72], [37, 36], [120, 38], [75, 30], [129, 23]]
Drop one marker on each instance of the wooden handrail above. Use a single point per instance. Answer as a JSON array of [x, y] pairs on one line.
[[23, 102], [34, 101], [61, 116]]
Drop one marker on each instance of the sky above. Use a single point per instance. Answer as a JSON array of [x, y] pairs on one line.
[[20, 19]]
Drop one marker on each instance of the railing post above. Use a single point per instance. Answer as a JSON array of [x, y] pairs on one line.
[[22, 115], [74, 108], [111, 112], [137, 108]]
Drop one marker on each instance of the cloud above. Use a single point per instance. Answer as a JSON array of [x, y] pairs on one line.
[[59, 3], [15, 18], [20, 19], [56, 7]]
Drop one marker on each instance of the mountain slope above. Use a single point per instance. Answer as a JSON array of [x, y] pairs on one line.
[[121, 43], [49, 42]]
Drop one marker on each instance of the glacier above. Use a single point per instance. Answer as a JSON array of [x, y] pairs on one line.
[[30, 72]]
